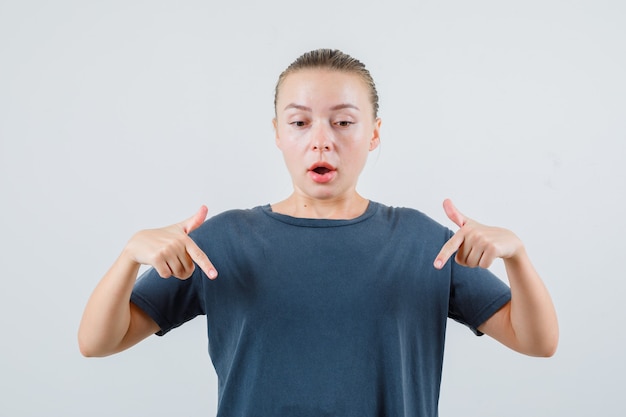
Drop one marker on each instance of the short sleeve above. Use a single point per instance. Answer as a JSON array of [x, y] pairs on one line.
[[475, 295], [169, 302]]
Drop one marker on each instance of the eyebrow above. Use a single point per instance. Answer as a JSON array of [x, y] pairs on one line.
[[337, 107], [344, 106]]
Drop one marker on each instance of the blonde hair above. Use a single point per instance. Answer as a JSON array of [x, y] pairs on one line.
[[335, 60]]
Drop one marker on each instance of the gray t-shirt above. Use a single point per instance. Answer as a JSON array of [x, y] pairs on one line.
[[313, 317]]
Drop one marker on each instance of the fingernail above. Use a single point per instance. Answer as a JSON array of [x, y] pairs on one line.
[[212, 273], [438, 264]]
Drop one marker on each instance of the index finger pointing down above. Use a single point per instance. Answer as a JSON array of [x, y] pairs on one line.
[[448, 249], [200, 258]]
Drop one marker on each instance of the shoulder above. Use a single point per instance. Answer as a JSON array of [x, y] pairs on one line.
[[234, 216], [413, 225], [239, 215], [229, 222], [406, 216]]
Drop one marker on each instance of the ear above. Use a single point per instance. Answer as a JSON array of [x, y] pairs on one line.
[[375, 141], [276, 138]]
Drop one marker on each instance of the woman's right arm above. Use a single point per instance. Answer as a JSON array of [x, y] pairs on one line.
[[110, 322]]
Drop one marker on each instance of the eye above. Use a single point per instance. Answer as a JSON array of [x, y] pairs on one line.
[[298, 123], [344, 123]]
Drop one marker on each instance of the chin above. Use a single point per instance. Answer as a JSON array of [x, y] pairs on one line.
[[319, 192], [328, 193], [322, 195]]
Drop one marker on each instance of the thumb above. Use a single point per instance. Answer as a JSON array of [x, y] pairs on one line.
[[453, 213], [196, 220]]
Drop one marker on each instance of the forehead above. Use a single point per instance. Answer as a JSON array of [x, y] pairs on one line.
[[315, 85]]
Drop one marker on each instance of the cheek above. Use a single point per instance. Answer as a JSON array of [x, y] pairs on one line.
[[292, 152], [294, 143], [352, 158], [359, 155]]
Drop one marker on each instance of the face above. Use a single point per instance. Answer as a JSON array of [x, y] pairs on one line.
[[325, 129]]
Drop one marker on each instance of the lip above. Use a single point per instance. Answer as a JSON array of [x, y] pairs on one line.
[[322, 178], [322, 164]]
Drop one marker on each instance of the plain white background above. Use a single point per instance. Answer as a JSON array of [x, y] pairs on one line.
[[122, 115]]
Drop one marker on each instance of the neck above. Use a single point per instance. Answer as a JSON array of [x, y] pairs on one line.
[[311, 208]]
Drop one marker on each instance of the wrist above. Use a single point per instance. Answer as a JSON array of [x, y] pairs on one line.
[[127, 258], [519, 264], [514, 249]]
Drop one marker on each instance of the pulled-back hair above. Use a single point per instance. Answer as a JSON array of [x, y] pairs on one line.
[[334, 60]]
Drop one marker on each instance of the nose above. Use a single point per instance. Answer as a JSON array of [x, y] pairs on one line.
[[321, 139]]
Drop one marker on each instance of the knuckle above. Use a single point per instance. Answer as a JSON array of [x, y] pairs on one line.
[[163, 272], [189, 271]]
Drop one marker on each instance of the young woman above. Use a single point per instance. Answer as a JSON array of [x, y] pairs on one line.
[[326, 303]]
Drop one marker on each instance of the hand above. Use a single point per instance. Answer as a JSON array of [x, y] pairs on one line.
[[170, 250], [476, 244]]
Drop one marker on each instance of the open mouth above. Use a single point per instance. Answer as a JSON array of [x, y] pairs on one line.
[[321, 170]]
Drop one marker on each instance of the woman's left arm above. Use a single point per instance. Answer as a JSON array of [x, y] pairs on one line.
[[528, 323]]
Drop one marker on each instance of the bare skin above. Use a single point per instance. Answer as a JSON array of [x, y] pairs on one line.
[[110, 322], [528, 323], [324, 118], [325, 129]]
